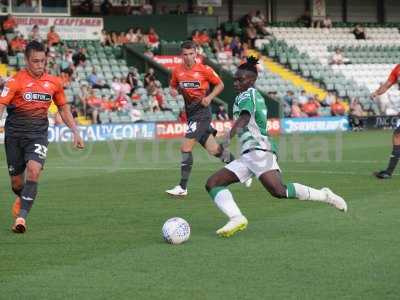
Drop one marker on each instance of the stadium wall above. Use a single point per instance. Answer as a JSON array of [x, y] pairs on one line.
[[169, 27]]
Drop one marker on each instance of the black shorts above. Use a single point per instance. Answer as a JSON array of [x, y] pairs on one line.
[[200, 131], [19, 150]]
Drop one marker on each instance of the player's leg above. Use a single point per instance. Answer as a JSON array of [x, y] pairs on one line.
[[16, 167], [272, 182], [217, 185], [394, 158], [265, 167], [17, 185], [35, 153], [186, 167]]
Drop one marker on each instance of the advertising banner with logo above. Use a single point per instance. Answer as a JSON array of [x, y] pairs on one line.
[[380, 122], [169, 130], [172, 61], [321, 124], [106, 132], [67, 27]]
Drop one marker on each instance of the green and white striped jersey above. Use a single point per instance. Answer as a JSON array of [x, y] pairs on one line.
[[254, 135]]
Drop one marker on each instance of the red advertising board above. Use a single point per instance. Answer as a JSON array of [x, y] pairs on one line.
[[171, 61], [170, 130]]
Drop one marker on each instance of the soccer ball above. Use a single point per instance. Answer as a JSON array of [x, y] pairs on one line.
[[176, 231]]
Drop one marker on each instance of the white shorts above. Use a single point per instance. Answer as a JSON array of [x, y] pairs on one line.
[[254, 163]]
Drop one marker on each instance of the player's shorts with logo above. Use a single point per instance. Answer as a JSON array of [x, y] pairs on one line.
[[253, 163], [21, 149], [200, 130]]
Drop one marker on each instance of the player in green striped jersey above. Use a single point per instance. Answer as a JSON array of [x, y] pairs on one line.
[[258, 156]]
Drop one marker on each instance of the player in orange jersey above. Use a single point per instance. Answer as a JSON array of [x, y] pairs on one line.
[[395, 156], [27, 97], [193, 80]]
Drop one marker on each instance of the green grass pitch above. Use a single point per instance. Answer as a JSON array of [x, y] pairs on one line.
[[95, 229]]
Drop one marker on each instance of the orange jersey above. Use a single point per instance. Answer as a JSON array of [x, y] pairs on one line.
[[194, 84], [28, 100]]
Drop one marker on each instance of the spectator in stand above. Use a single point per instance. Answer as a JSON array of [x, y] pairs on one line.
[[104, 38], [251, 35], [338, 108], [125, 87], [356, 113], [79, 58], [17, 44], [164, 10], [3, 50], [114, 38], [107, 104], [86, 7], [356, 108], [9, 24], [116, 85], [259, 22], [221, 113], [34, 35], [311, 107], [178, 11], [122, 40], [296, 111], [196, 36], [105, 7], [131, 36], [152, 39], [149, 78], [235, 45], [160, 98], [122, 103], [204, 37], [139, 35], [245, 21], [326, 22], [94, 107], [329, 99], [305, 19], [147, 9], [53, 39], [132, 79], [95, 82], [67, 65], [84, 94], [359, 33], [338, 58], [289, 97], [218, 44], [303, 98]]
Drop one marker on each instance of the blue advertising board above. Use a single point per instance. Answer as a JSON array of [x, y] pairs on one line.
[[320, 124], [105, 132]]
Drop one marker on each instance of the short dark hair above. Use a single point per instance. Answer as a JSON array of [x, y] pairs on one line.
[[34, 46], [188, 45], [250, 65]]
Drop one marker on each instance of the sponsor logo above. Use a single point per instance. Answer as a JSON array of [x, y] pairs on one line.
[[315, 124], [189, 84], [41, 97]]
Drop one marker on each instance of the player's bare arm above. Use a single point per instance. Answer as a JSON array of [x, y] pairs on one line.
[[214, 93], [65, 113], [238, 126], [382, 89]]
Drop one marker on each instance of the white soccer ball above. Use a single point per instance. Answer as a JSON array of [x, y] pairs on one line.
[[176, 231]]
